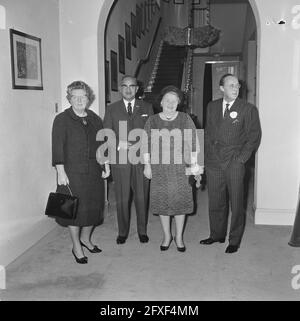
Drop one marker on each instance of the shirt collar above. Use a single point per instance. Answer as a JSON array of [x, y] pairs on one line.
[[126, 103], [230, 104]]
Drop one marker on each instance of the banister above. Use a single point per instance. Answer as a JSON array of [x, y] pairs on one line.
[[147, 57]]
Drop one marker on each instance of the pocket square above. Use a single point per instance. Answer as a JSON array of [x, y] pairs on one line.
[[144, 115]]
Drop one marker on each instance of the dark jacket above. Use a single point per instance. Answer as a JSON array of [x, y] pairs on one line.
[[233, 137], [117, 112], [70, 145]]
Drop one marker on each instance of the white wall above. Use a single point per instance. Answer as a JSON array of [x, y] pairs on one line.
[[26, 175], [278, 158], [79, 45]]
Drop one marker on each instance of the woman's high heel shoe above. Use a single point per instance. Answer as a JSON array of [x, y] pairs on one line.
[[95, 249], [165, 248], [82, 260], [180, 249]]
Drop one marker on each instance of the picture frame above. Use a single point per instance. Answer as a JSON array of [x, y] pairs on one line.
[[149, 4], [138, 21], [121, 49], [107, 82], [128, 40], [143, 27], [153, 6], [26, 61], [133, 30], [114, 70], [146, 17]]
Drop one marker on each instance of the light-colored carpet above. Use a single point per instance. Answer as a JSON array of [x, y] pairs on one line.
[[260, 270]]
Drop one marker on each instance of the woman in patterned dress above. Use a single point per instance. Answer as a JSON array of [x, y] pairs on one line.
[[170, 156]]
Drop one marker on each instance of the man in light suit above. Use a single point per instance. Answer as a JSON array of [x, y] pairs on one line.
[[232, 134], [134, 114]]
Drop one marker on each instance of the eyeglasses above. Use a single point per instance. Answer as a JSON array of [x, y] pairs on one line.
[[130, 86], [232, 86], [79, 97]]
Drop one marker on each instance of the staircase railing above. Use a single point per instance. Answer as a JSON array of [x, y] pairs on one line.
[[155, 69], [146, 59], [188, 87]]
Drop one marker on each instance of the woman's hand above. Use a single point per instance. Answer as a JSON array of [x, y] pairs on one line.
[[62, 178], [197, 169], [106, 173], [148, 171]]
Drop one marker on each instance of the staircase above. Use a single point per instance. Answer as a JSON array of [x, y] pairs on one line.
[[169, 72]]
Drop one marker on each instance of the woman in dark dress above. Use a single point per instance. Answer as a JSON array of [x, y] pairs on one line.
[[74, 148], [170, 157]]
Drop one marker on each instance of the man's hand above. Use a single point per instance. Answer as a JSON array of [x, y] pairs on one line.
[[197, 169], [123, 144], [106, 172], [148, 171]]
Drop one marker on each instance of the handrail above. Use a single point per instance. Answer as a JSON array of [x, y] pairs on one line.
[[147, 57]]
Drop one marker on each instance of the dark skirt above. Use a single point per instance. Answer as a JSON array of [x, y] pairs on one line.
[[89, 188]]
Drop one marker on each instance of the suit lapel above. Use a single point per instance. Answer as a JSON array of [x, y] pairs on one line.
[[219, 111], [136, 108], [235, 106], [123, 108]]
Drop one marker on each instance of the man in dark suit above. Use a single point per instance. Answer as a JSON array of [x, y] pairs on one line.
[[232, 134], [122, 117]]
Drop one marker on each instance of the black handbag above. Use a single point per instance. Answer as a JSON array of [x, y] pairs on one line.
[[62, 205]]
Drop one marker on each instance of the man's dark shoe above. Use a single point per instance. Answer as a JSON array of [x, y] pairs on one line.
[[211, 241], [231, 248], [121, 239], [143, 238]]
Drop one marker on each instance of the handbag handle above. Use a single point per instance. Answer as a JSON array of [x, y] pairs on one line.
[[69, 189]]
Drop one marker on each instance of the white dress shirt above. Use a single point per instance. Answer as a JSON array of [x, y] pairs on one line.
[[127, 102], [225, 103]]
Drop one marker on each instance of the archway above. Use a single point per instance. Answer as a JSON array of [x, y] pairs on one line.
[[104, 15]]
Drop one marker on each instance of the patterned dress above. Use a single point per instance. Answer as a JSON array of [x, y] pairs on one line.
[[170, 191]]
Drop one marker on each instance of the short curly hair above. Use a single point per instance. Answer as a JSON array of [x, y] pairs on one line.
[[171, 89], [78, 84]]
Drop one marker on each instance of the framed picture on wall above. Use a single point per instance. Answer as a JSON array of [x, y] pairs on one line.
[[128, 41], [114, 70], [138, 21], [149, 10], [133, 30], [26, 61], [107, 86], [154, 7], [146, 16], [121, 48], [142, 19]]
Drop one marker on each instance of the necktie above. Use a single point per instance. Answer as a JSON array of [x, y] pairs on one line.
[[226, 113], [129, 109]]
